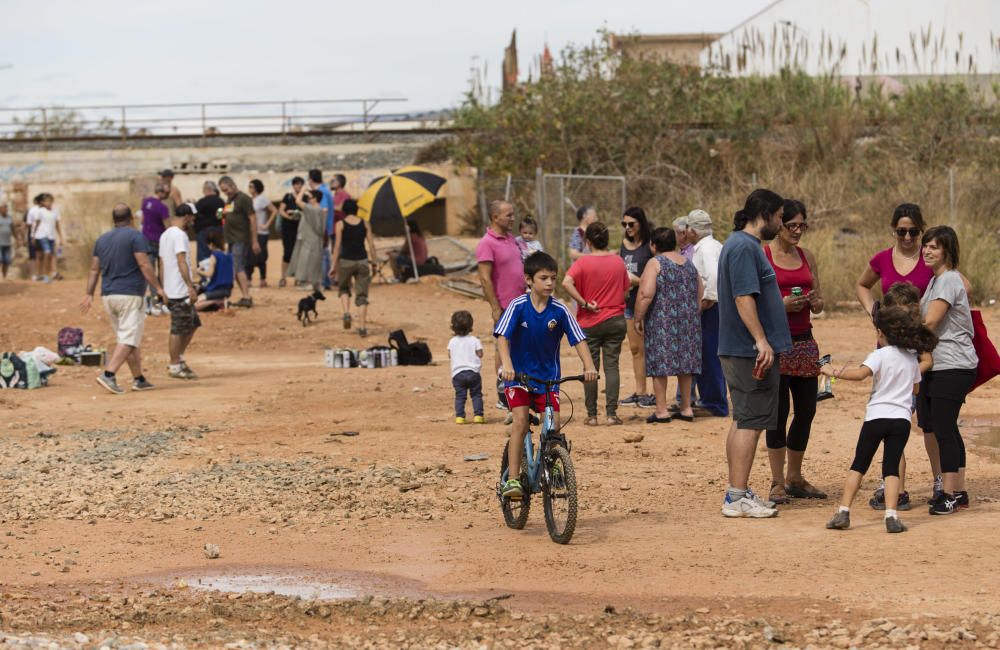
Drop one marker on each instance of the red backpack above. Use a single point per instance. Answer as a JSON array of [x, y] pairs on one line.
[[70, 341]]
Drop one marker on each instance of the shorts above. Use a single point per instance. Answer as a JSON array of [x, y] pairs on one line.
[[360, 271], [802, 360], [184, 319], [241, 256], [218, 294], [520, 396], [6, 255], [755, 401], [629, 313], [46, 246], [127, 317]]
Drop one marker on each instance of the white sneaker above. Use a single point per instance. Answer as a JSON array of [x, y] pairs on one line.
[[767, 503], [747, 507]]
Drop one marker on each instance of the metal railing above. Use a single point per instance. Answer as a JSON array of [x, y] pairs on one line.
[[197, 119]]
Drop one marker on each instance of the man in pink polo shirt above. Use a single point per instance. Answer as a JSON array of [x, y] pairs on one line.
[[500, 269]]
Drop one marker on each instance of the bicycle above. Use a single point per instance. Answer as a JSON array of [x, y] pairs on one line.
[[547, 470]]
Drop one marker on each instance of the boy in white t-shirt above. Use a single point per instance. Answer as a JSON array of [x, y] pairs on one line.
[[896, 372], [466, 354], [175, 269]]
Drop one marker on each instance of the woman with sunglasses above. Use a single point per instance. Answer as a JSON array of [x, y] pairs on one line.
[[901, 262], [635, 251], [798, 280]]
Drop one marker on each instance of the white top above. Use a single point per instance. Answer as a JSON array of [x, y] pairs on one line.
[[707, 252], [895, 372], [46, 223], [462, 350], [260, 203], [174, 241], [31, 219]]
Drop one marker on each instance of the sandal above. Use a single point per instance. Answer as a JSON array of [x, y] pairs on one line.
[[591, 421], [614, 420], [804, 490], [685, 418], [778, 494]]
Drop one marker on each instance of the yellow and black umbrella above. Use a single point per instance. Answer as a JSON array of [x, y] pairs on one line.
[[397, 196], [400, 194]]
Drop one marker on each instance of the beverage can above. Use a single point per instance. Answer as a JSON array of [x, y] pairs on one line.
[[797, 291]]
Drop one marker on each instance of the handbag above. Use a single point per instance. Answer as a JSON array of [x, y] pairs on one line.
[[989, 360]]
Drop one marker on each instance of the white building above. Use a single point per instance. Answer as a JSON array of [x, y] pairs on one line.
[[864, 38]]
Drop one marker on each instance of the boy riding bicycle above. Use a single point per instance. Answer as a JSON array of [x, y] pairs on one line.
[[528, 337]]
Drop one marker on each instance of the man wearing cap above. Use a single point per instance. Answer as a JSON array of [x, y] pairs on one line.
[[173, 194], [706, 250]]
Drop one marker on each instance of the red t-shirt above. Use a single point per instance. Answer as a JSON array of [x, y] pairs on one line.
[[799, 322], [602, 279]]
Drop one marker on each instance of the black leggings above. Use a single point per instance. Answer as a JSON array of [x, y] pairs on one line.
[[942, 393], [803, 396], [259, 260], [893, 433], [289, 231]]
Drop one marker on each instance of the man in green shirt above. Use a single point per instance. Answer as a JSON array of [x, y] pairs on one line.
[[240, 227]]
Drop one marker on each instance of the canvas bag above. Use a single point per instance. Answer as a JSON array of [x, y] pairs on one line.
[[989, 360]]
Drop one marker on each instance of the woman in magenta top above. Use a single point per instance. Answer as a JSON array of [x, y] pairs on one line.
[[599, 282], [795, 268], [901, 262]]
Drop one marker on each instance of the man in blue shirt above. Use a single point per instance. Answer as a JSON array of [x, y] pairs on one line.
[[316, 183], [753, 329], [528, 335]]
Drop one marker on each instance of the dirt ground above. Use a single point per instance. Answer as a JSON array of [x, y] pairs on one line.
[[107, 501]]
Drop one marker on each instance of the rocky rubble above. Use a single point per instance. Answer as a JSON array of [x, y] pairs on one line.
[[90, 475], [179, 618]]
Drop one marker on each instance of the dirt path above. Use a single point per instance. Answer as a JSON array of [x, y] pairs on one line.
[[103, 492]]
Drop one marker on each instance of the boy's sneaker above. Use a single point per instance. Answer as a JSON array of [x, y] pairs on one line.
[[500, 406], [479, 420], [944, 505], [647, 401], [961, 500], [459, 419], [142, 384], [746, 507], [840, 521], [109, 384], [894, 525], [631, 400], [190, 373], [512, 490]]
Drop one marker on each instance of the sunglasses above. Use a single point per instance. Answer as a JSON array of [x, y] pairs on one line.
[[629, 224], [796, 227], [912, 232]]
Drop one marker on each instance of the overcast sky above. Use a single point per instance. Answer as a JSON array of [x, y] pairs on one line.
[[123, 51]]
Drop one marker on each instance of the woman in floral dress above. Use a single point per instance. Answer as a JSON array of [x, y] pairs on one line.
[[667, 316]]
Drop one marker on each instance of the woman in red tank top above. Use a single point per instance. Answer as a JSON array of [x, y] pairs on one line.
[[798, 279]]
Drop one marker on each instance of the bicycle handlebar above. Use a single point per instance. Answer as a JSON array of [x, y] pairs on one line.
[[524, 377]]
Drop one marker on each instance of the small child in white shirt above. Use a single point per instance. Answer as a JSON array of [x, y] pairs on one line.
[[466, 354], [895, 370], [527, 239]]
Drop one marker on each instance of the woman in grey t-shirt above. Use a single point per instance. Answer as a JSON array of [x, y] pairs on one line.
[[945, 309]]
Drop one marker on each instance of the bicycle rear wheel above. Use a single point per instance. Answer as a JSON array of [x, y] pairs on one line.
[[559, 494], [515, 513]]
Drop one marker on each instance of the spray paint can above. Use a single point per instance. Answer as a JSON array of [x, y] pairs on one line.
[[337, 359], [393, 357]]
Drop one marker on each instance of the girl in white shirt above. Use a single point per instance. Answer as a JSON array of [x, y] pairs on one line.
[[896, 372]]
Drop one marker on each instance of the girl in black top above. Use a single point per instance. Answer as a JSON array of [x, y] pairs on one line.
[[636, 252], [290, 215], [352, 241]]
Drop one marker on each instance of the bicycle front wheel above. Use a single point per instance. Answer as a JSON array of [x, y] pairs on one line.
[[515, 513], [559, 494]]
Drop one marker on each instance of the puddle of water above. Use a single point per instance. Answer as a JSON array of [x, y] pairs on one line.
[[283, 585]]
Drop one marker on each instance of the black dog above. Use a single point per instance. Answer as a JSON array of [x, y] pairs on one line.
[[308, 304]]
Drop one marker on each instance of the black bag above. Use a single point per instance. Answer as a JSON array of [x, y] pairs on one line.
[[409, 354], [431, 267]]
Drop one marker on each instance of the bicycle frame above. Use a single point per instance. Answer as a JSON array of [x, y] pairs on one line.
[[533, 459]]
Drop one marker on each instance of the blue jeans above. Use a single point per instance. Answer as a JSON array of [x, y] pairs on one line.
[[468, 382], [711, 382]]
